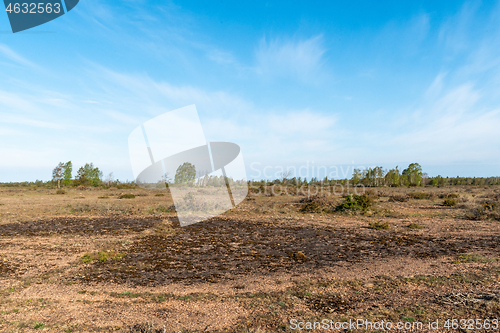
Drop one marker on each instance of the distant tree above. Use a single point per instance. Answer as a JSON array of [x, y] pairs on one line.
[[356, 176], [57, 174], [404, 180], [109, 178], [284, 176], [392, 177], [379, 175], [89, 175], [440, 180], [413, 173], [425, 176], [185, 173], [67, 173]]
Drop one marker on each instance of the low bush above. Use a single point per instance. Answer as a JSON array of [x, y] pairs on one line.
[[421, 195], [316, 204], [127, 196], [399, 198], [354, 202], [60, 191], [488, 209], [414, 226], [311, 207], [449, 195], [449, 202]]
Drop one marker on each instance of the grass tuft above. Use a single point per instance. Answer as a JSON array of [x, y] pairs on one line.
[[39, 326], [378, 225]]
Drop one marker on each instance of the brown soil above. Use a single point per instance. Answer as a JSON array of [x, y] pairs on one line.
[[126, 265]]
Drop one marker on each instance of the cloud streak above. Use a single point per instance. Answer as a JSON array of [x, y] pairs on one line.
[[286, 57]]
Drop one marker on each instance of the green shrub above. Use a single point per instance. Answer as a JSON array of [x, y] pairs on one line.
[[102, 256], [354, 202], [414, 226], [450, 202], [159, 195], [127, 196], [60, 191], [87, 257], [105, 197]]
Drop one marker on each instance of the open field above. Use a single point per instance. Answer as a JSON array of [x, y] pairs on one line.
[[88, 261]]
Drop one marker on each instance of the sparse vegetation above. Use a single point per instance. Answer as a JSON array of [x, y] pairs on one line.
[[378, 225], [160, 209], [484, 210], [477, 258], [127, 196], [420, 195], [102, 256]]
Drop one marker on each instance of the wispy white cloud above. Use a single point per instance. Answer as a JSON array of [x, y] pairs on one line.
[[291, 57], [454, 33], [436, 86], [10, 54]]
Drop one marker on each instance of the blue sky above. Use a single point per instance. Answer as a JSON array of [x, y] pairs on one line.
[[351, 84]]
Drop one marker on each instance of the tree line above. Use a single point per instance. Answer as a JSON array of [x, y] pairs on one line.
[[413, 175], [87, 175]]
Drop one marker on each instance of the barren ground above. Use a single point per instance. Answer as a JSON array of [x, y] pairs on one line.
[[87, 261]]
